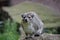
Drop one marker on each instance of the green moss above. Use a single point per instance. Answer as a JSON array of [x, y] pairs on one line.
[[45, 13]]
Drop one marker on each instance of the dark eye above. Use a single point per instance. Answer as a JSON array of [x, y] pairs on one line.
[[23, 17], [29, 17]]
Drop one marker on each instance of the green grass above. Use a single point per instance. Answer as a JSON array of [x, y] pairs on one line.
[[10, 32]]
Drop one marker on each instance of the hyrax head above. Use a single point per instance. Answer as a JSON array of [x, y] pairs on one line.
[[27, 17]]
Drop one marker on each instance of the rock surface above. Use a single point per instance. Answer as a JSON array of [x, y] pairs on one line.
[[46, 37]]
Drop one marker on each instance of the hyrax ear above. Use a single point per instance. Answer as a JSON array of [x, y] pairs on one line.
[[21, 15]]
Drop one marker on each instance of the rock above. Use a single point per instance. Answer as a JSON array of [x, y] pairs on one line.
[[46, 37]]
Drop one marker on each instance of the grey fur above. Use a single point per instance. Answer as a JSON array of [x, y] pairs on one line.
[[35, 23]]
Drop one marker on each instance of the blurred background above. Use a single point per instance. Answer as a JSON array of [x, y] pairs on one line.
[[10, 11]]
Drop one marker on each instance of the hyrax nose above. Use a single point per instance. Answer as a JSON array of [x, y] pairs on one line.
[[26, 20]]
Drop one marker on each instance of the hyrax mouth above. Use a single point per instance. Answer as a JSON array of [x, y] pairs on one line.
[[25, 20]]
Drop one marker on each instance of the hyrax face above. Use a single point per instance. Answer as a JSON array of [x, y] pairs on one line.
[[27, 17]]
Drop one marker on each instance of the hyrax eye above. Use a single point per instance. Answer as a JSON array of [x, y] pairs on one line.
[[29, 17], [23, 17]]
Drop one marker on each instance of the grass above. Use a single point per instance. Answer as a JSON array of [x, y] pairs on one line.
[[10, 32]]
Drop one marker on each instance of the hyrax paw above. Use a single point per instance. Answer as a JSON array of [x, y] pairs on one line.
[[36, 35]]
